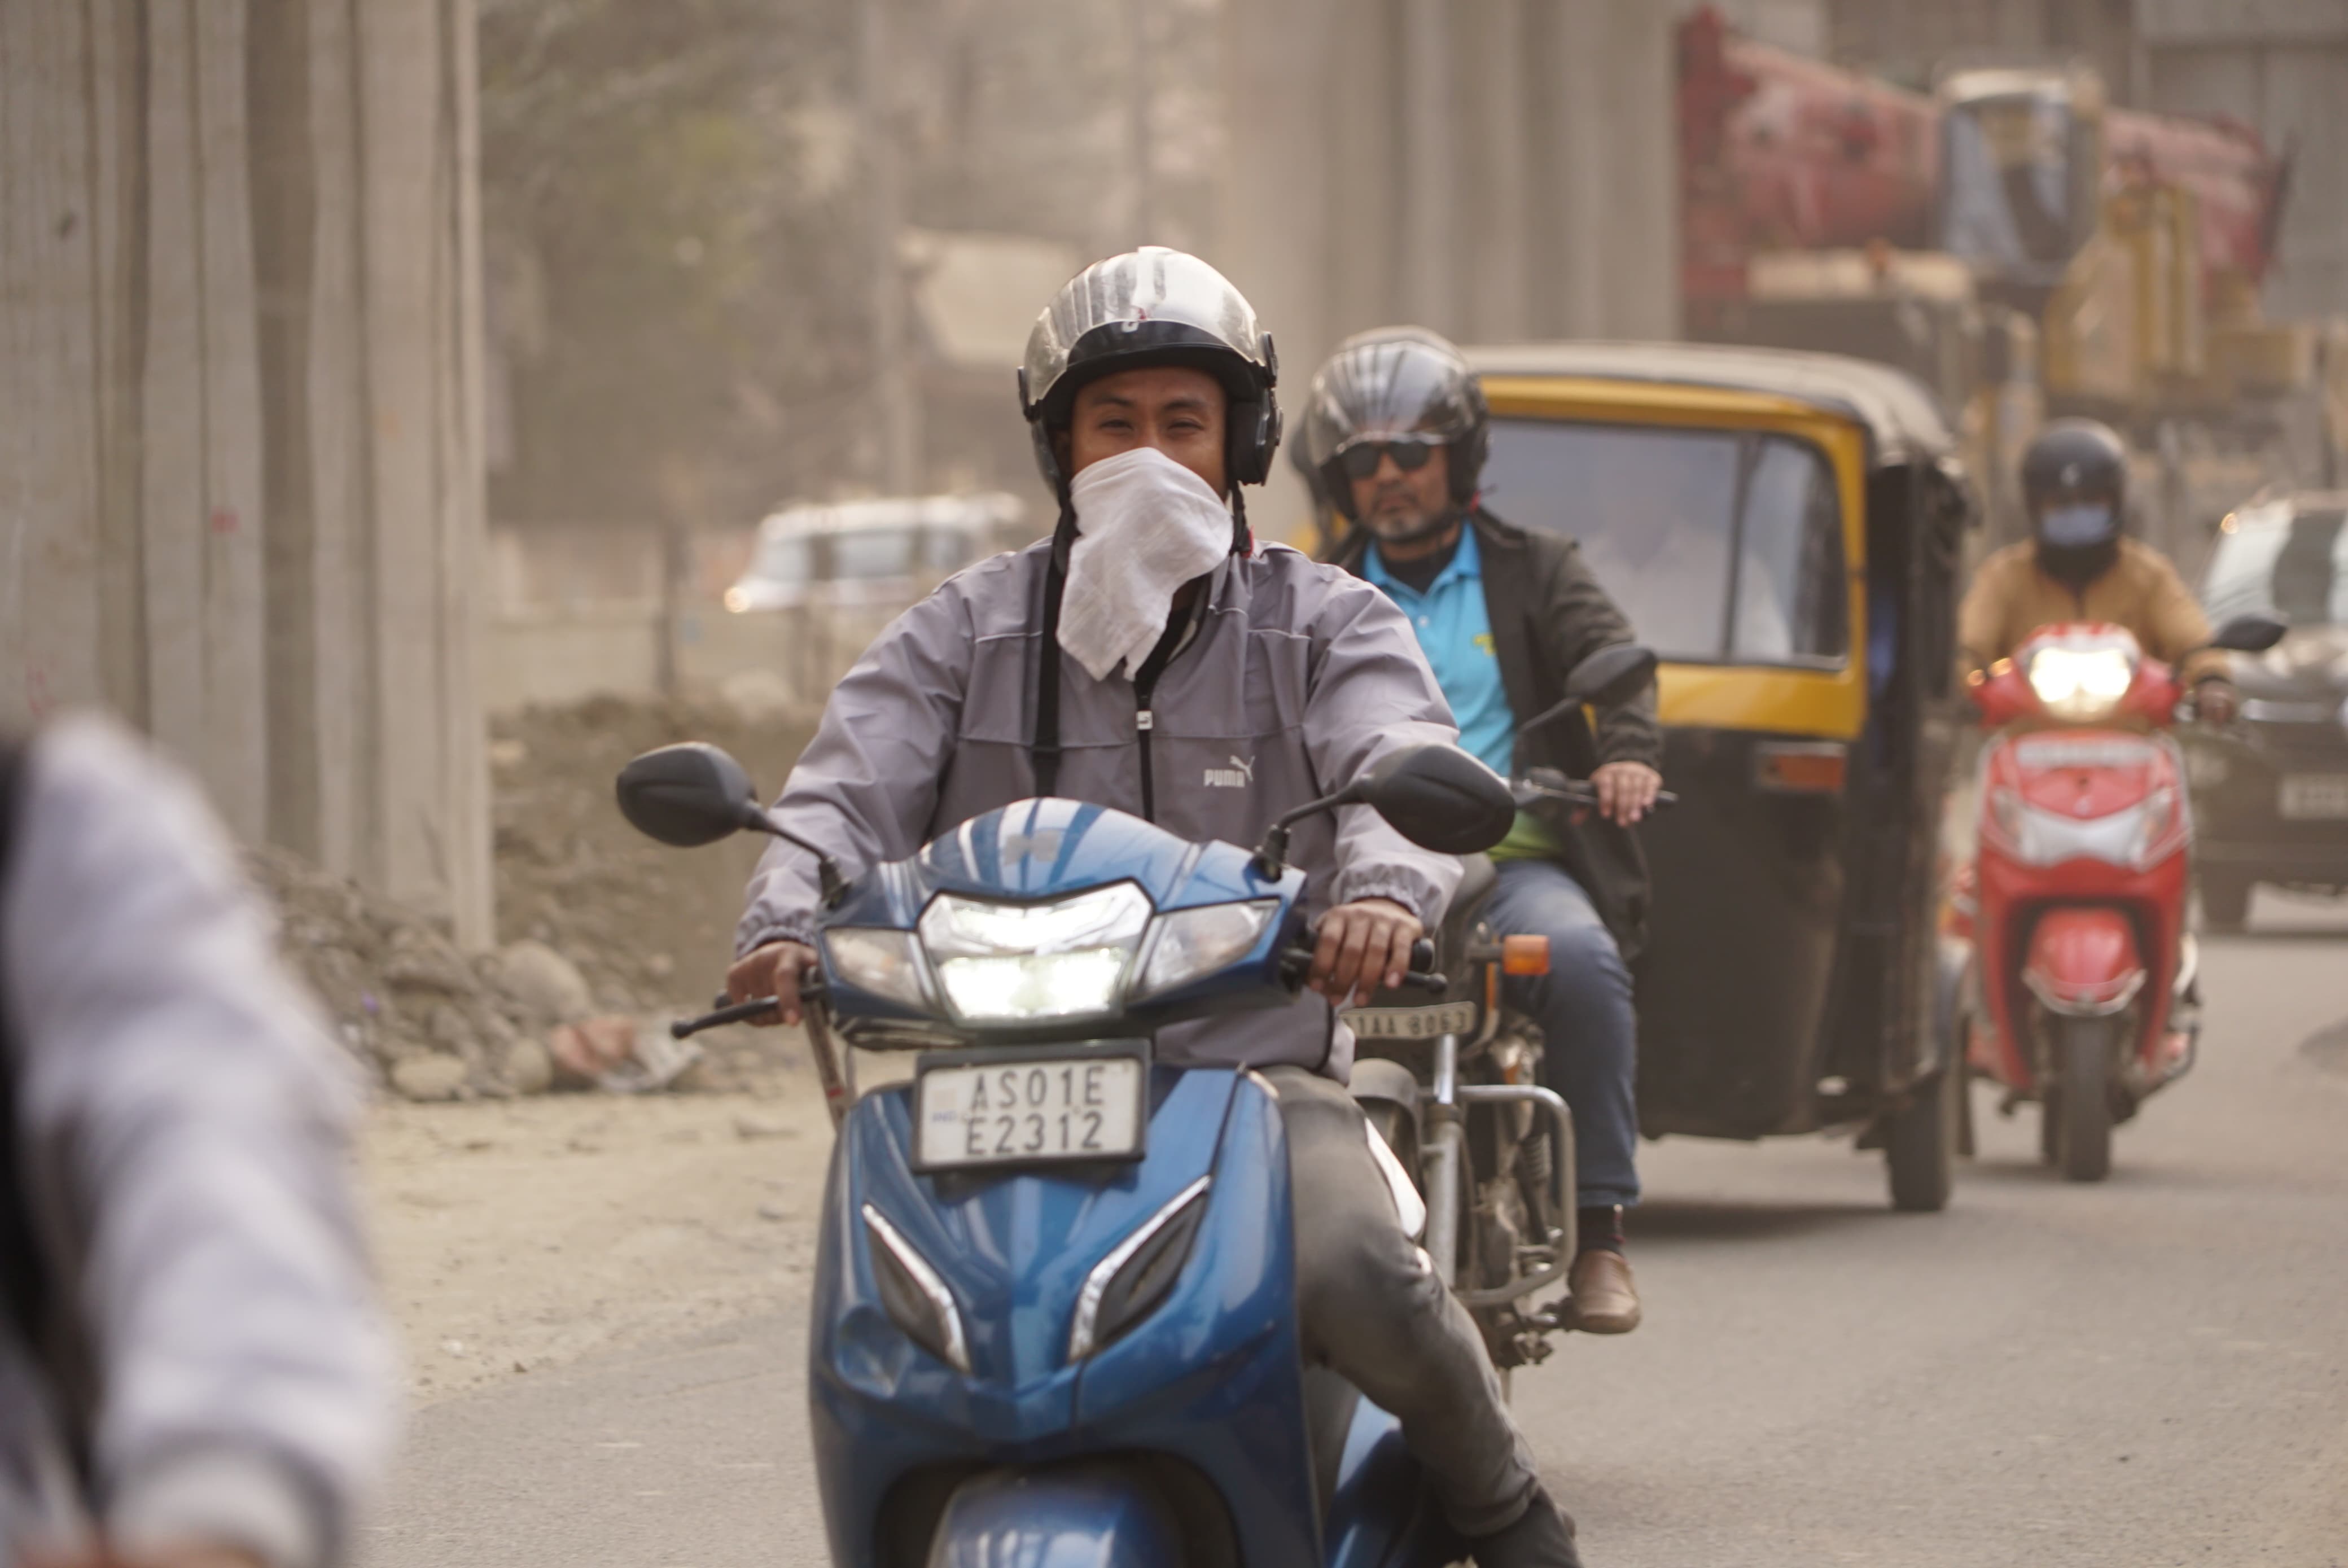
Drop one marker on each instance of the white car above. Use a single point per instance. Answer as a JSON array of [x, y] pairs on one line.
[[886, 551]]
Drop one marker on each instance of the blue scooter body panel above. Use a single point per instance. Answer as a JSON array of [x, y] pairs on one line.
[[1210, 1376], [1028, 1443], [1076, 1516], [1381, 1512]]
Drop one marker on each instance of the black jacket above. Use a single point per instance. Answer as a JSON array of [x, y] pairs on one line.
[[1548, 615]]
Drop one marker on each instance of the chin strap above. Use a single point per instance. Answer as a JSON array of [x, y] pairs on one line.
[[1044, 757]]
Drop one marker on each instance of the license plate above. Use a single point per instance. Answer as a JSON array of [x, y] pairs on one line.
[[1030, 1109], [2311, 796], [1412, 1023]]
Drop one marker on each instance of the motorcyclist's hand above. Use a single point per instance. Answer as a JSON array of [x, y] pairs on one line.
[[1626, 790], [774, 971], [1363, 946], [2216, 702]]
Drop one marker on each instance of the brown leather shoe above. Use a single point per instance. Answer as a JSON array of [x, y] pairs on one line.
[[1605, 1297]]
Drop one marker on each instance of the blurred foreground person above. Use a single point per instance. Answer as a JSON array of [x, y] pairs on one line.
[[192, 1373], [2079, 565], [1153, 657], [1397, 429]]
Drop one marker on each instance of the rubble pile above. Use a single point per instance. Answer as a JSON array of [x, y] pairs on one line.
[[421, 1016], [605, 935], [648, 925]]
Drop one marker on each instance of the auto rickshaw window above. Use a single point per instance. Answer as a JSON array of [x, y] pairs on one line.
[[1653, 510], [1719, 545], [1791, 604]]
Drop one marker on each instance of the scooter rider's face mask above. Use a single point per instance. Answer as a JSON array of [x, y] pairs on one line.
[[2077, 525], [2078, 541], [1145, 526]]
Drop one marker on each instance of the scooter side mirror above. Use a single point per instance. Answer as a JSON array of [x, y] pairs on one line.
[[2251, 634], [688, 795], [1613, 675], [1607, 679], [1440, 798]]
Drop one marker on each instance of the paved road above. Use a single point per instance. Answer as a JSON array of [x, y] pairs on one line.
[[2151, 1371]]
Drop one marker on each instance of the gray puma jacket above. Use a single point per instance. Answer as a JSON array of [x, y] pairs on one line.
[[1298, 677], [180, 1130]]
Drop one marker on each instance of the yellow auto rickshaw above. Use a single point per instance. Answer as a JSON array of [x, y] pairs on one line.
[[1785, 529]]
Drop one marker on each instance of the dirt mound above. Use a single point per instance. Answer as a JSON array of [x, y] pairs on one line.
[[418, 1013], [647, 924], [593, 918]]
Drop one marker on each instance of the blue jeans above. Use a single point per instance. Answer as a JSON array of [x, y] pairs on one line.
[[1590, 1032]]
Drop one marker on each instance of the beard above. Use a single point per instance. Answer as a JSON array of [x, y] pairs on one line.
[[2076, 567], [1400, 520]]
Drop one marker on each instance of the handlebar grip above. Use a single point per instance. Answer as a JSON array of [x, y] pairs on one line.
[[1422, 955], [733, 1013]]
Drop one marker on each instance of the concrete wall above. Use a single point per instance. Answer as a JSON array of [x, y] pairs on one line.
[[2281, 68], [1495, 171], [239, 410]]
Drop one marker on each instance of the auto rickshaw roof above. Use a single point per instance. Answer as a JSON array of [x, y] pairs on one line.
[[1902, 421]]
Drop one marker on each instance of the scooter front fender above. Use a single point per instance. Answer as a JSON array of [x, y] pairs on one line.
[[2084, 962], [1102, 1515]]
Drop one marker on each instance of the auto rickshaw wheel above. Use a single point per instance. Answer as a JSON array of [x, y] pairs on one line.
[[2082, 1114], [1919, 1143]]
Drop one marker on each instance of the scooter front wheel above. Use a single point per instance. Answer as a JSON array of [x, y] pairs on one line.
[[2081, 1113]]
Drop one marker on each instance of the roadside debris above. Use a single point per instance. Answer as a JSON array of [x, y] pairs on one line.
[[606, 936]]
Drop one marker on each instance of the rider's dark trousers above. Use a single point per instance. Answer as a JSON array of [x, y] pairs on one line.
[[1374, 1311]]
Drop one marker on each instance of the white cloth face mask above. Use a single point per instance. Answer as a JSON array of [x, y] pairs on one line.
[[1145, 526]]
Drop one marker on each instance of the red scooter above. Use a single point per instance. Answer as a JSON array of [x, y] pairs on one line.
[[2079, 990]]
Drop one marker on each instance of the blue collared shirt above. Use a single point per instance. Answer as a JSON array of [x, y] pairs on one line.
[[1454, 631]]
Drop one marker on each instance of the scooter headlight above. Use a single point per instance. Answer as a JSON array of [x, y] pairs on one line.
[[2081, 685], [1009, 961], [878, 960], [1192, 942]]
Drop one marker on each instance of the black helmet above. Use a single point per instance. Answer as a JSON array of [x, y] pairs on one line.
[[2075, 485], [1396, 381], [1152, 307]]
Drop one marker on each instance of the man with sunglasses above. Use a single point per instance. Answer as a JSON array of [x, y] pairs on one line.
[[1395, 433]]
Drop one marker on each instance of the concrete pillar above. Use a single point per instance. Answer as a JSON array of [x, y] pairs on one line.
[[1428, 234], [239, 410], [1494, 170], [1613, 169], [1499, 263]]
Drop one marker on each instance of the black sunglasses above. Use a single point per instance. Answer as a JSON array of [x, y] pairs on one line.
[[1410, 454]]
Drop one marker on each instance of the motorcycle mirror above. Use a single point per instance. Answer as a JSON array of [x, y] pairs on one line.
[[2251, 634], [1440, 798], [688, 795], [1612, 676], [693, 793], [1606, 678]]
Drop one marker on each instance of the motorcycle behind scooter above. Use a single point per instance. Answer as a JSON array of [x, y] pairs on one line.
[[1053, 1317], [2079, 973]]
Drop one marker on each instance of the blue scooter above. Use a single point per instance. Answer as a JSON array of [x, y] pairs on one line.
[[1053, 1314]]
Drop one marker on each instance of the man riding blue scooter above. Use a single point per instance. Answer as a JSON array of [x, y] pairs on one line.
[[1154, 658]]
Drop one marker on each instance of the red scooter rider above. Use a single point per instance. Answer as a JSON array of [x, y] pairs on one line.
[[2082, 992], [2078, 566]]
